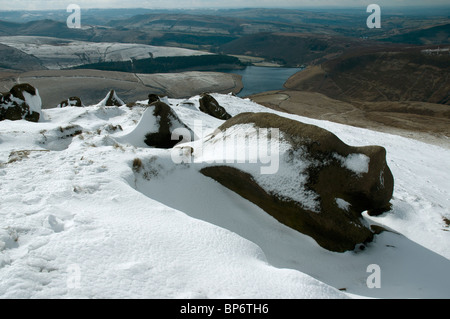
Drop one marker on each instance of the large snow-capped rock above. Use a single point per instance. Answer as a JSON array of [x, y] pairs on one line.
[[316, 184], [111, 99], [209, 105], [22, 102], [159, 127]]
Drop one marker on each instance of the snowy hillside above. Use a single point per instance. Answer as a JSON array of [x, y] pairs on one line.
[[57, 53], [87, 212]]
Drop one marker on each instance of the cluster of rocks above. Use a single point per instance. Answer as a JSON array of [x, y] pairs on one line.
[[342, 194], [161, 135], [208, 105], [74, 101], [14, 105], [111, 99], [23, 102]]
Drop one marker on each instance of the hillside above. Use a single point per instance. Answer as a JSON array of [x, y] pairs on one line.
[[88, 213], [209, 29], [427, 122], [289, 37], [55, 53], [400, 90], [12, 59], [129, 168], [382, 75], [173, 64], [439, 34], [45, 27], [294, 49]]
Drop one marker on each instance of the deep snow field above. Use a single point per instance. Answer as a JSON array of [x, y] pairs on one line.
[[77, 222]]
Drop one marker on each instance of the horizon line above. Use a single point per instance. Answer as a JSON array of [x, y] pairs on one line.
[[238, 7]]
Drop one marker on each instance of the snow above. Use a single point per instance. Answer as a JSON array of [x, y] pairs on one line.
[[357, 163], [342, 204], [266, 156], [147, 124], [77, 222], [33, 101]]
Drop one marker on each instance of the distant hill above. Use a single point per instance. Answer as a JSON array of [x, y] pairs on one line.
[[48, 28], [293, 49], [384, 75], [189, 34], [58, 29], [15, 60], [432, 35], [174, 22], [211, 29], [168, 64]]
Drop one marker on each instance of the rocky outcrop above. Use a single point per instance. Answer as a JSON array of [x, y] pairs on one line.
[[342, 181], [167, 122], [158, 127], [111, 99], [210, 106], [22, 102], [71, 101], [153, 98]]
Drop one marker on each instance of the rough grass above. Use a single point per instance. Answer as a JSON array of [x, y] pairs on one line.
[[447, 222], [147, 170], [137, 165], [17, 156]]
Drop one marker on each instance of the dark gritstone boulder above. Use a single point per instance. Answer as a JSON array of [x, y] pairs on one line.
[[342, 189], [112, 99], [210, 106], [153, 98], [71, 101], [22, 102], [167, 122]]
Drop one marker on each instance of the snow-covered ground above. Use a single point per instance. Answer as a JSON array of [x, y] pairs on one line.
[[77, 222], [59, 53]]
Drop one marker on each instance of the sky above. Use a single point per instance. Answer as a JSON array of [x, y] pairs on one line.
[[172, 4]]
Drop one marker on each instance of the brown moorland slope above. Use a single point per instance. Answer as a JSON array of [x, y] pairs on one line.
[[410, 74], [404, 92], [428, 122]]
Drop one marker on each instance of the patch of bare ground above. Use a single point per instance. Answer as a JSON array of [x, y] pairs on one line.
[[427, 122]]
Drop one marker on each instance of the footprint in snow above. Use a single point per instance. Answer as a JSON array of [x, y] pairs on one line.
[[54, 223]]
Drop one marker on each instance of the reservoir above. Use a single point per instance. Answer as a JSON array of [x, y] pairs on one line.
[[257, 79]]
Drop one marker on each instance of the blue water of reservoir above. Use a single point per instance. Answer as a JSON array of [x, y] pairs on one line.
[[257, 79]]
